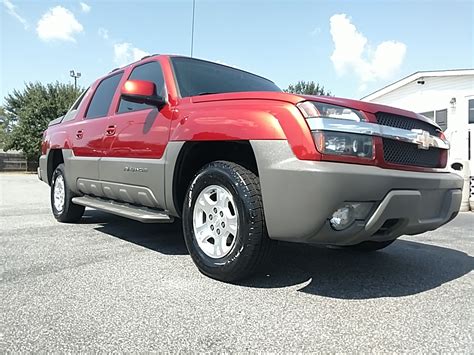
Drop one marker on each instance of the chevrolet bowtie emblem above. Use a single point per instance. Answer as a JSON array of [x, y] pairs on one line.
[[423, 139]]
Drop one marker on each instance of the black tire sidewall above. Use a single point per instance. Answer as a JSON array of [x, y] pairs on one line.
[[62, 216], [215, 174]]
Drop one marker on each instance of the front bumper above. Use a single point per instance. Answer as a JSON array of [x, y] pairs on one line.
[[300, 196]]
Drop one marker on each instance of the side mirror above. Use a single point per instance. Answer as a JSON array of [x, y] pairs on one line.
[[141, 92]]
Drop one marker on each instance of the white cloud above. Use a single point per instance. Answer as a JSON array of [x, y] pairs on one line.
[[58, 23], [353, 54], [84, 7], [103, 32], [125, 53], [11, 9]]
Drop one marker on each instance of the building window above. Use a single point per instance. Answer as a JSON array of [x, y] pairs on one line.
[[442, 119], [471, 111], [429, 114]]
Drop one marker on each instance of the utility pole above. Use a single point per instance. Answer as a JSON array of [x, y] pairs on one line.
[[192, 28], [76, 76]]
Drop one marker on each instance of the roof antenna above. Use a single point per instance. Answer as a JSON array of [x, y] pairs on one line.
[[192, 29]]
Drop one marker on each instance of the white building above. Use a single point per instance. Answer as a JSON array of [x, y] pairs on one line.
[[446, 96]]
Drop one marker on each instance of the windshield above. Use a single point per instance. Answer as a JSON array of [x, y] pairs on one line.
[[197, 77]]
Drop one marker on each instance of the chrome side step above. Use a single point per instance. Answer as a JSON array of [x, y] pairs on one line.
[[141, 214]]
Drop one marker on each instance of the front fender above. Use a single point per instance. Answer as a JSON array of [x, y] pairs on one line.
[[245, 120]]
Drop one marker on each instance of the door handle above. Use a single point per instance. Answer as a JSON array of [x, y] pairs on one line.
[[110, 131], [79, 134]]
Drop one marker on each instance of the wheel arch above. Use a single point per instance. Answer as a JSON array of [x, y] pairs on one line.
[[194, 155], [55, 157]]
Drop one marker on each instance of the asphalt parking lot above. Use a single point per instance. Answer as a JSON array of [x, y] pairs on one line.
[[110, 284]]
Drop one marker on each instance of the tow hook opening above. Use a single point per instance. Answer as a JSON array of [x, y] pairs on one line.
[[388, 226]]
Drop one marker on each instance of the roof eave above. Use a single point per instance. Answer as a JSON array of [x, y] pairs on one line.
[[415, 76]]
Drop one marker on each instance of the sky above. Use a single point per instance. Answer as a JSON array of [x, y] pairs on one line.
[[351, 47]]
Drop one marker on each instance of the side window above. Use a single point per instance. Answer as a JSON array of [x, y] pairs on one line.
[[151, 72], [103, 95]]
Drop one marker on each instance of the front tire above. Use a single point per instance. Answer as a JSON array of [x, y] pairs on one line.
[[64, 210], [223, 222]]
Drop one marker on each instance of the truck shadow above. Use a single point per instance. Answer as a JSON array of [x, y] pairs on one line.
[[402, 269], [163, 238]]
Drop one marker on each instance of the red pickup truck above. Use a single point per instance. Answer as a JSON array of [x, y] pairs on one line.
[[243, 163]]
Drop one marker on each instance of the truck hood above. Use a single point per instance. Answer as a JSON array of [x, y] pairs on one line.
[[294, 99]]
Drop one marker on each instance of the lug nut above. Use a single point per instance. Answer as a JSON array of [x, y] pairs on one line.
[[215, 210], [212, 228], [218, 231], [223, 224], [221, 214], [210, 217]]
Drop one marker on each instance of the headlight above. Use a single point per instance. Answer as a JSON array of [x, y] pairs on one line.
[[320, 109], [338, 143], [333, 142]]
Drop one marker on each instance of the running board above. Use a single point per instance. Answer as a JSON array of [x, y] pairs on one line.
[[141, 214]]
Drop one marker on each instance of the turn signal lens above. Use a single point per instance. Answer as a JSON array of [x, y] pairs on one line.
[[347, 144]]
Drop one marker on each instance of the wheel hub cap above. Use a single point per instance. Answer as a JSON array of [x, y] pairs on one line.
[[215, 221], [59, 193]]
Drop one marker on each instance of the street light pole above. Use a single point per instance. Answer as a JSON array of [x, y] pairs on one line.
[[76, 76]]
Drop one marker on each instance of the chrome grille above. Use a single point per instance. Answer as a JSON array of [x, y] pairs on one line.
[[388, 119], [402, 153], [396, 152]]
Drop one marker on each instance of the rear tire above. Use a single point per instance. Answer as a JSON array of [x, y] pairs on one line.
[[223, 222], [370, 246], [64, 210]]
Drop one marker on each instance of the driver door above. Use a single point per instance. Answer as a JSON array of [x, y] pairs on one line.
[[135, 140]]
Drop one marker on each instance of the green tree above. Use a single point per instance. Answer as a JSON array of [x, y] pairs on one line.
[[6, 125], [33, 108], [307, 88]]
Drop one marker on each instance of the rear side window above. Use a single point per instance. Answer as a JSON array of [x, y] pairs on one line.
[[198, 77], [103, 96], [71, 114], [76, 104], [151, 72]]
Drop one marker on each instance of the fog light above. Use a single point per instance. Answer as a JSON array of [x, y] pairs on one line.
[[345, 215], [342, 218]]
